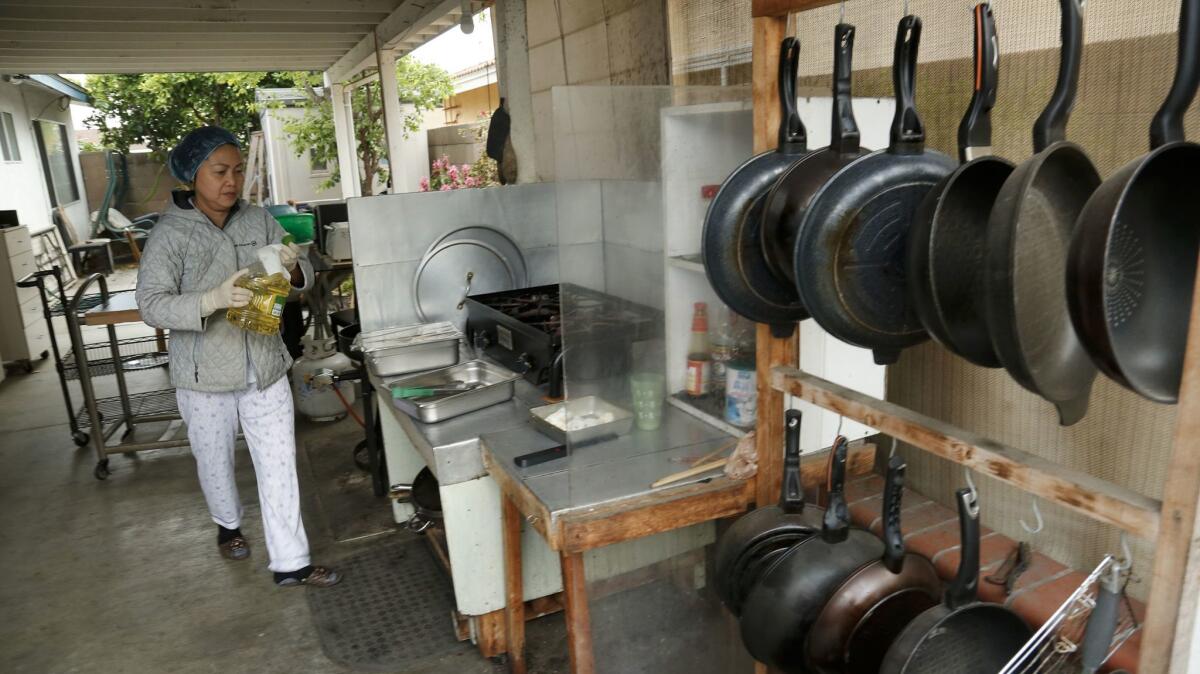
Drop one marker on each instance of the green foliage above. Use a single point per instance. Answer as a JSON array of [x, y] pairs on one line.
[[424, 86], [157, 109]]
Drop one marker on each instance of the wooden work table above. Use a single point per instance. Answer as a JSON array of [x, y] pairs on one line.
[[586, 502], [120, 308]]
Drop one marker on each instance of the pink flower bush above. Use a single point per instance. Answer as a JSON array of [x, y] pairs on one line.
[[445, 176]]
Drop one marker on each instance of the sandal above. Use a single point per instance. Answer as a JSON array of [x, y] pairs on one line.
[[320, 576], [234, 548]]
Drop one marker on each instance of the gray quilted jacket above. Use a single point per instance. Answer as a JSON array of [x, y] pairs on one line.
[[186, 255]]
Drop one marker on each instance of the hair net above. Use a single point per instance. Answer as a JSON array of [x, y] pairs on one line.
[[195, 147]]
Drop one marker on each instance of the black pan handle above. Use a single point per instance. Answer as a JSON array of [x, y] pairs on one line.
[[964, 588], [1051, 125], [793, 138], [844, 138], [893, 539], [1167, 126], [908, 132], [792, 498], [975, 130], [835, 525]]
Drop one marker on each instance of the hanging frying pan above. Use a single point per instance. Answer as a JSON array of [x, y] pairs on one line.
[[784, 602], [948, 237], [852, 632], [960, 635], [764, 533], [790, 195], [851, 244], [729, 244], [1028, 234], [1132, 261]]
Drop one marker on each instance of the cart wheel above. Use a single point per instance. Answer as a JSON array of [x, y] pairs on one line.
[[44, 355], [80, 438], [27, 365], [101, 472], [128, 431], [361, 459]]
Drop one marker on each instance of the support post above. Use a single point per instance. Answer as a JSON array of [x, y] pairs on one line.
[[579, 620], [343, 133], [514, 587], [393, 117]]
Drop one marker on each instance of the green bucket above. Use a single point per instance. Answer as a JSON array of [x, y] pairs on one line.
[[299, 225]]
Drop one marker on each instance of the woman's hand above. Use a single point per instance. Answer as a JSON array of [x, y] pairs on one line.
[[289, 255], [225, 296]]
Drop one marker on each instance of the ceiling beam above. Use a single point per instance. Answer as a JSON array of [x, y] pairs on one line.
[[253, 40], [100, 66], [104, 14], [216, 29], [380, 6], [409, 18], [126, 52]]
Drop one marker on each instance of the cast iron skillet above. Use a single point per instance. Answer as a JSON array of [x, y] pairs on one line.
[[1028, 233], [949, 233], [851, 244], [764, 533], [789, 196], [729, 244], [852, 632], [1132, 261], [784, 602], [961, 635]]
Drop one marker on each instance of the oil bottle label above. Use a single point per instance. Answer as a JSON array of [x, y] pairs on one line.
[[277, 307]]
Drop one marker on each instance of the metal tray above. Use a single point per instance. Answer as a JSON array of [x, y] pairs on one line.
[[397, 360], [621, 424], [494, 384]]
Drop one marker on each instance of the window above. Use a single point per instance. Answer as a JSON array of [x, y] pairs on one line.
[[9, 150], [316, 166], [56, 161]]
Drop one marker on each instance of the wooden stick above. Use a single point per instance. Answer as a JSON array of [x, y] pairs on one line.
[[1074, 489], [715, 452], [694, 470]]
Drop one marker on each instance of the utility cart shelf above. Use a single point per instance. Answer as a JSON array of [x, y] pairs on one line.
[[136, 354], [145, 407]]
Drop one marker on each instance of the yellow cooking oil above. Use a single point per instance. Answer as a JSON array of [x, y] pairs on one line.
[[262, 314]]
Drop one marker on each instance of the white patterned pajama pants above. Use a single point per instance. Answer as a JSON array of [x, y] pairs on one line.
[[270, 429]]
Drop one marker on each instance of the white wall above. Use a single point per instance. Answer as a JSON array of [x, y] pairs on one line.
[[22, 184], [291, 177]]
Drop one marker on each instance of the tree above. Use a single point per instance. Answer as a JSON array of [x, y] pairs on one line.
[[424, 86], [157, 109]]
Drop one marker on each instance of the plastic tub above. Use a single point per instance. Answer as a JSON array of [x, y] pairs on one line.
[[299, 225]]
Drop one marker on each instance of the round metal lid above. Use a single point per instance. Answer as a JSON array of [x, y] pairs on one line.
[[501, 241], [453, 270]]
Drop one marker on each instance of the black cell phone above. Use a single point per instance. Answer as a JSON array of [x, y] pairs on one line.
[[541, 456]]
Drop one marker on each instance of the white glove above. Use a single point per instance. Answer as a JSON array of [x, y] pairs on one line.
[[225, 296], [289, 255]]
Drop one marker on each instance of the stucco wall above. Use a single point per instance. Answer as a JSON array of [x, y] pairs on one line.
[[22, 183]]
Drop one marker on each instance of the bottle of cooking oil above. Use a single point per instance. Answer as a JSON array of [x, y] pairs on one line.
[[270, 287]]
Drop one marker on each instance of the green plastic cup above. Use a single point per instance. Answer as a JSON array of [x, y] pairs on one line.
[[649, 390]]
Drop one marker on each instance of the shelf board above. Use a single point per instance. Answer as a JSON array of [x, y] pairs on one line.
[[688, 262], [784, 7], [705, 409], [1068, 487]]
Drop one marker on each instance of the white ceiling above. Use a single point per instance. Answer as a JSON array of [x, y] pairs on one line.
[[137, 36]]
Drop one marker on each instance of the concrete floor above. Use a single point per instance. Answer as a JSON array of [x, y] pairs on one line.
[[123, 575]]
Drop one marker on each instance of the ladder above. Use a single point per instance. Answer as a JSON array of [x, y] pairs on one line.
[[256, 173]]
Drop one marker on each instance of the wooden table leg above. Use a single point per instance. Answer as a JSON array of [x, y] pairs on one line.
[[514, 612], [579, 620]]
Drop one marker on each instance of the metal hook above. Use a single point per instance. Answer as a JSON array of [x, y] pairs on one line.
[[970, 483], [839, 428], [893, 450], [842, 15], [1041, 524], [905, 7]]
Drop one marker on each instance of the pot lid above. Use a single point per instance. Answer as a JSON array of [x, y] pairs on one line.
[[455, 269]]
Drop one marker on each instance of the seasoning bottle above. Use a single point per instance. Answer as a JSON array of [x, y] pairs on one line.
[[266, 279], [699, 360]]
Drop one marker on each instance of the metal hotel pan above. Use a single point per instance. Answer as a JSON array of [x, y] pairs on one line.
[[1029, 231], [491, 384], [1132, 261], [621, 424]]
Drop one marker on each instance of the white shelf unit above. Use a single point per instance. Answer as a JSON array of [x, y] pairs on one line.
[[701, 145]]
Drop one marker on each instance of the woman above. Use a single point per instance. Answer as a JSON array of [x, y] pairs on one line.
[[222, 374]]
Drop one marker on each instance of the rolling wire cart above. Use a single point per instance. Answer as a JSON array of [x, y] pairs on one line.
[[97, 419]]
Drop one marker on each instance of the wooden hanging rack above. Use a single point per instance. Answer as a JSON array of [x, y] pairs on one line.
[[1168, 629]]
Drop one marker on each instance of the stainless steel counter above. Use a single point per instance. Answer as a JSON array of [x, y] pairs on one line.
[[619, 468]]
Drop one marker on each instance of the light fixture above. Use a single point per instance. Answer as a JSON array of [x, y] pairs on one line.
[[466, 23]]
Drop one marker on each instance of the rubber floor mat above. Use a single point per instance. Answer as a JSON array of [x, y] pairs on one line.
[[390, 613]]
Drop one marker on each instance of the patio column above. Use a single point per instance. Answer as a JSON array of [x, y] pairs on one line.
[[393, 118], [343, 132]]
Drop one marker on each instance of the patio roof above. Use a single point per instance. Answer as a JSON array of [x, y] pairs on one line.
[[141, 36]]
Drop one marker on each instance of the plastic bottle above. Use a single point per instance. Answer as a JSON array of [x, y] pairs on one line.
[[699, 363], [270, 285]]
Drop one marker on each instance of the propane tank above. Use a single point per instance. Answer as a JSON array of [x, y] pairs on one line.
[[313, 385]]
